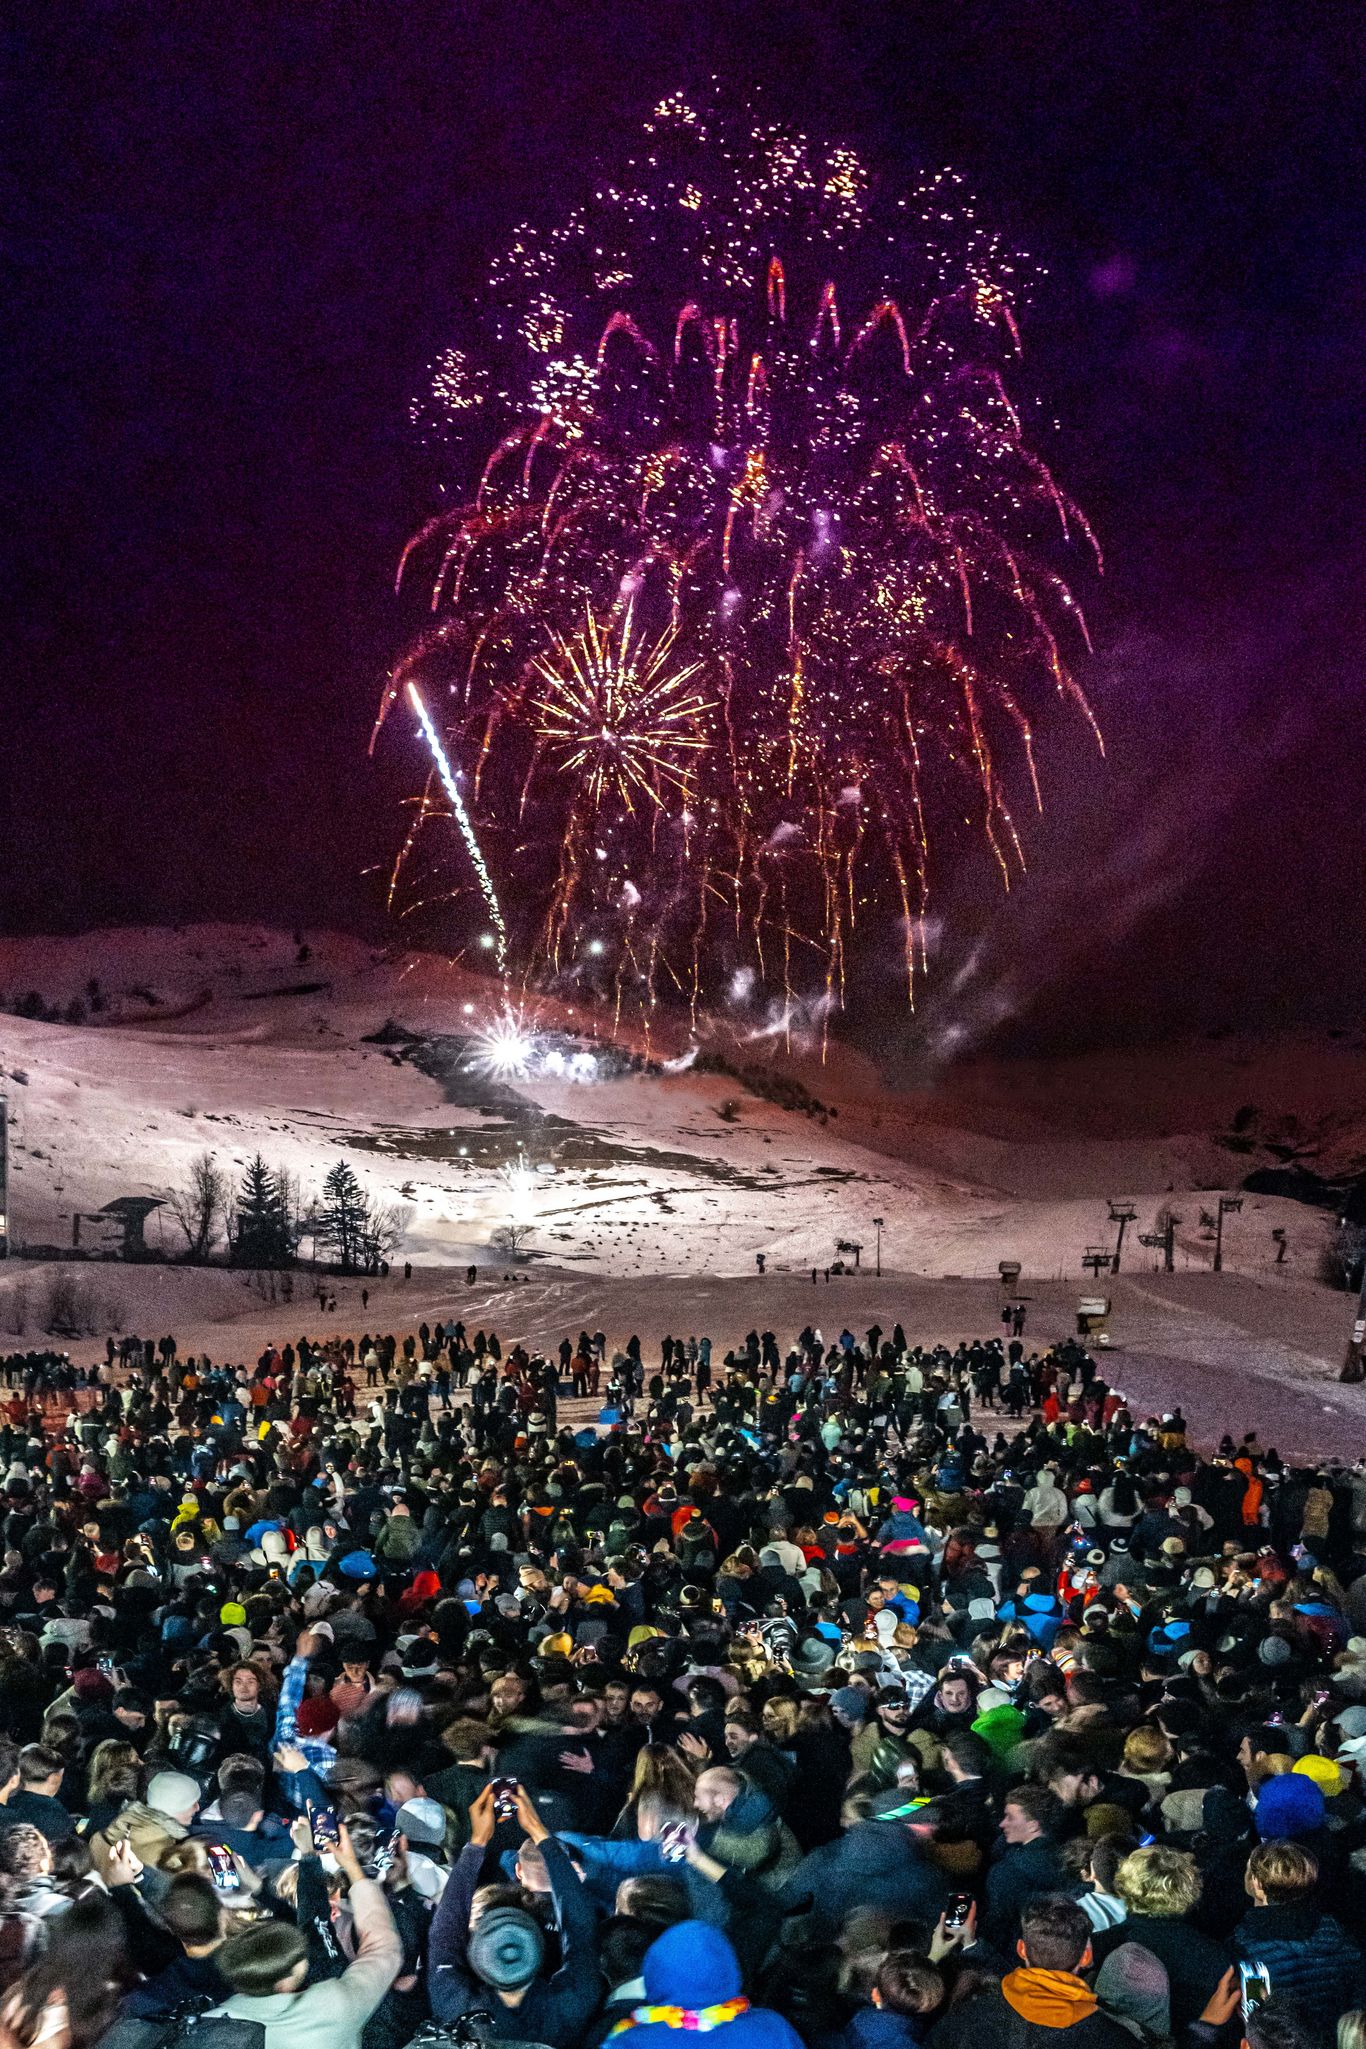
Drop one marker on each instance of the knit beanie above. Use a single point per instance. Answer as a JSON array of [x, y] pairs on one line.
[[505, 1948], [173, 1793], [1288, 1806]]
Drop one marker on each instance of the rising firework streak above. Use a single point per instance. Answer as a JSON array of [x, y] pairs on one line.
[[462, 819]]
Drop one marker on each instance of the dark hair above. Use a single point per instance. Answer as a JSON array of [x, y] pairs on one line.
[[238, 1807], [23, 1850], [71, 1863], [656, 1897], [1055, 1932], [9, 1760], [240, 1772], [907, 1983], [1107, 1854], [1125, 1494], [37, 1762], [1065, 1756], [1276, 2024], [190, 1909], [86, 1962], [255, 1961], [622, 1946], [1036, 1802], [969, 1752]]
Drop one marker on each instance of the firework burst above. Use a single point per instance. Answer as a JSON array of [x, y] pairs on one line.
[[614, 712], [757, 592]]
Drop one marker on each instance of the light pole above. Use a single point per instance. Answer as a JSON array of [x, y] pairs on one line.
[[877, 1256], [1354, 1365], [1226, 1204]]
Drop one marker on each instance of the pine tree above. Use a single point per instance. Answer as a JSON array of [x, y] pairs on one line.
[[343, 1217], [261, 1235]]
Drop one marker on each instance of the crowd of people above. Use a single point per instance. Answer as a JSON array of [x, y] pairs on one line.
[[836, 1692]]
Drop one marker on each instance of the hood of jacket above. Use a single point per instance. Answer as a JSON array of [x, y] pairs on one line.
[[1048, 1999], [138, 1819], [691, 1965]]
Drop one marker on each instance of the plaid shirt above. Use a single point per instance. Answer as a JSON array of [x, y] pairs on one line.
[[319, 1753]]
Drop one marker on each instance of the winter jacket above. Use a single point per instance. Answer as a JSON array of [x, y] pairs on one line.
[[555, 2009], [188, 1982], [150, 1831], [1308, 1956], [1018, 1875], [1031, 2010], [398, 1540], [47, 1815], [876, 2027], [1194, 1962], [875, 1864], [752, 1838], [688, 1969], [607, 1860]]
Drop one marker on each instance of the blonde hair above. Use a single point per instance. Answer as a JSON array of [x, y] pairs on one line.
[[1284, 1871], [1158, 1881], [780, 1714], [1352, 2030], [1146, 1750]]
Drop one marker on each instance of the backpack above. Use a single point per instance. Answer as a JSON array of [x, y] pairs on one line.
[[185, 2028]]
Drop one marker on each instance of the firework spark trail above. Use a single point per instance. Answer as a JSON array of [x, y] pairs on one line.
[[463, 820], [752, 596]]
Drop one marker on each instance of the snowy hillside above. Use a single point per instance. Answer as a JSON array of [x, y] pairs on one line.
[[313, 1049]]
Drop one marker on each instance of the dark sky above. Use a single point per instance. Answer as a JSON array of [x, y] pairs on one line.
[[235, 236]]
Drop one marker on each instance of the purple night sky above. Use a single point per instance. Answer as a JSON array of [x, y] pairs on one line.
[[237, 236]]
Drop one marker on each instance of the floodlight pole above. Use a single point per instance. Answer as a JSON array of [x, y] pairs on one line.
[[1354, 1365], [1226, 1203]]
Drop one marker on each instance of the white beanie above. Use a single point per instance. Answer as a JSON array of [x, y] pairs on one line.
[[173, 1793]]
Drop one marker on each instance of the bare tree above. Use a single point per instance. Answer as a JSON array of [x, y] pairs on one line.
[[385, 1224], [16, 1308], [509, 1238], [200, 1206]]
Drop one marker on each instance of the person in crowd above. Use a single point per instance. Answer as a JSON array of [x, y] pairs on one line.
[[837, 1705], [1044, 1997]]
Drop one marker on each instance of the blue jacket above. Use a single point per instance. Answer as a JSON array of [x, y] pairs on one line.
[[1040, 1615], [1309, 1957], [874, 2027], [692, 1965], [875, 1864], [607, 1860]]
